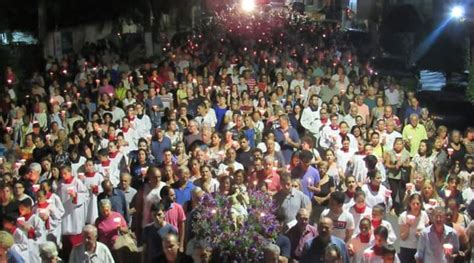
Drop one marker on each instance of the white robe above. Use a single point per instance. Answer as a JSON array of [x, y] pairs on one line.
[[143, 126], [92, 208], [40, 237], [21, 242], [56, 215], [112, 171], [75, 166], [131, 136], [74, 216]]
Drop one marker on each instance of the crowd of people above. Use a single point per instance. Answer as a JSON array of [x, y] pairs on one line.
[[102, 161]]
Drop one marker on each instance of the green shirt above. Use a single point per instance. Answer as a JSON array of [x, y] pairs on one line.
[[414, 135]]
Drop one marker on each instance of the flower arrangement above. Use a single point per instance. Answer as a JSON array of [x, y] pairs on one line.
[[237, 226]]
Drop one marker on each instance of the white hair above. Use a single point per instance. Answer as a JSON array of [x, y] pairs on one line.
[[48, 249], [35, 167]]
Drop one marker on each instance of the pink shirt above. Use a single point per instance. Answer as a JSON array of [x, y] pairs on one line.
[[175, 215], [107, 228], [109, 89], [273, 182], [363, 110]]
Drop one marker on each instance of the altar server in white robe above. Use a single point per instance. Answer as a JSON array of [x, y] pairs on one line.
[[74, 195]]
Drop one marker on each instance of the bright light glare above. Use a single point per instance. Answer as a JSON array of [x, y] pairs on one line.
[[248, 5], [457, 11]]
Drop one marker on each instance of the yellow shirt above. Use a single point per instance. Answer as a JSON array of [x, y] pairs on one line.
[[414, 136]]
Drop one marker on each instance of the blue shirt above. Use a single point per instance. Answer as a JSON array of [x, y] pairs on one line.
[[14, 257], [313, 251], [183, 194], [119, 203], [430, 247], [310, 177], [157, 148], [220, 114], [155, 116], [286, 149], [409, 111]]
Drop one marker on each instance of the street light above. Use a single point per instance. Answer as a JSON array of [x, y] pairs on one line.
[[457, 11]]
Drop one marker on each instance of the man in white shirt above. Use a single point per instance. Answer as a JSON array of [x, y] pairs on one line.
[[390, 135], [432, 240], [310, 118], [90, 250], [343, 221], [205, 118]]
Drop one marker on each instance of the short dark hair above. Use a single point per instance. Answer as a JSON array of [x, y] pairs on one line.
[[306, 156], [338, 196]]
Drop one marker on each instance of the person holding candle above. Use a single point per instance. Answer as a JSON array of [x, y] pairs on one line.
[[374, 254], [92, 181], [361, 241], [397, 162], [109, 224], [309, 175], [376, 192], [456, 149], [413, 133], [411, 223], [430, 196], [74, 196], [438, 242], [359, 210]]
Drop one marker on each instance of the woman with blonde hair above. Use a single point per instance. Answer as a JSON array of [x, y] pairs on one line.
[[430, 196]]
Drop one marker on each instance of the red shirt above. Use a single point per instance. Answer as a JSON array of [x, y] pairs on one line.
[[175, 215]]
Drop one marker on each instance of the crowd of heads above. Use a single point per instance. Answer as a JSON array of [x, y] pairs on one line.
[[260, 104]]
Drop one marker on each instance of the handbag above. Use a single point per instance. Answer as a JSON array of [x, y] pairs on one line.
[[405, 174], [126, 240]]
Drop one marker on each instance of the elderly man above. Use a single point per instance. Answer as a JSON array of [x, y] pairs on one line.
[[271, 253], [413, 134], [433, 239], [314, 249], [193, 133], [90, 250], [300, 233], [48, 252]]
